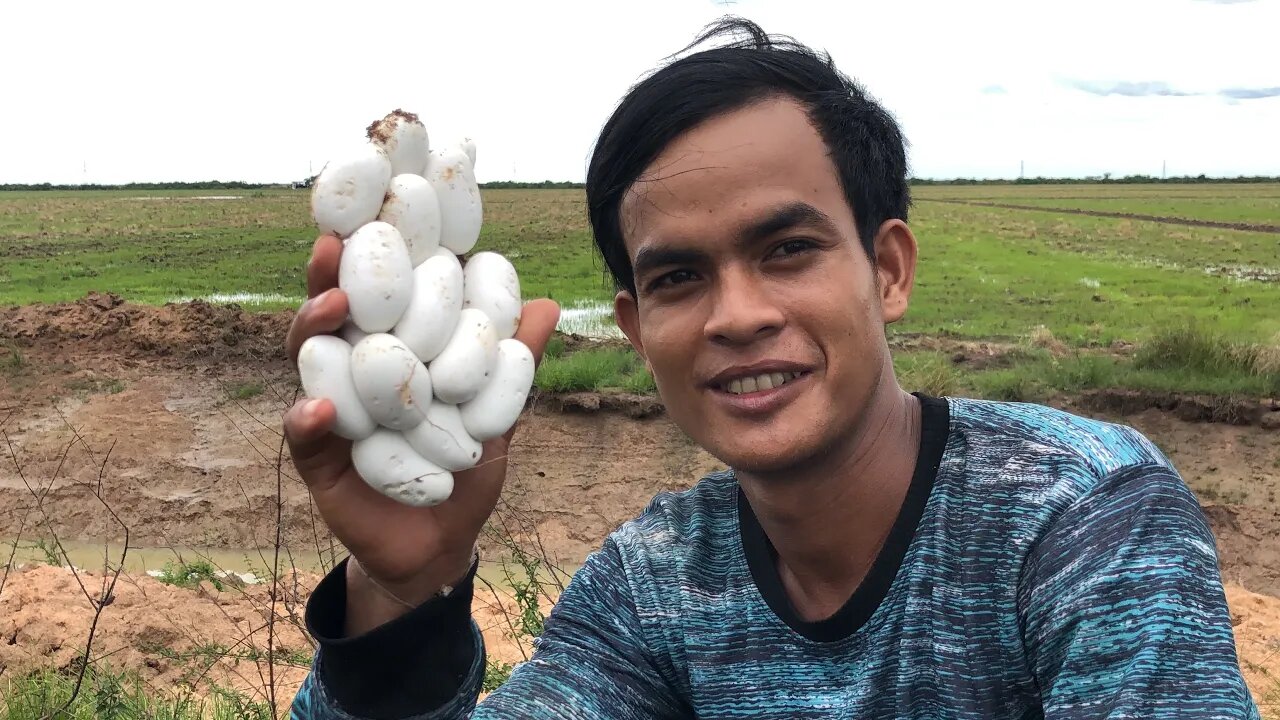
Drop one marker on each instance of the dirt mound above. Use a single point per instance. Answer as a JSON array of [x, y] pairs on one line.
[[1191, 222], [104, 322], [1248, 545], [173, 636], [1192, 408]]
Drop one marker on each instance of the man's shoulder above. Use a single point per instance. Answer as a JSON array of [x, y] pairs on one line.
[[1004, 432], [708, 509]]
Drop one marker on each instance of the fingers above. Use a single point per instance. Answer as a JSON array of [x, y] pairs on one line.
[[538, 320], [311, 446], [324, 313], [322, 268]]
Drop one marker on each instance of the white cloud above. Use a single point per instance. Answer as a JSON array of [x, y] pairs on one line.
[[264, 91]]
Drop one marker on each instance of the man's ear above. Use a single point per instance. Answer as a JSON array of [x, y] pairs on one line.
[[627, 315], [895, 268]]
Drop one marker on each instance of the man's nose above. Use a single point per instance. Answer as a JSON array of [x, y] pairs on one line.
[[743, 310]]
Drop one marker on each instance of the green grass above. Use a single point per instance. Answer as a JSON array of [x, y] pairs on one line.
[[107, 695], [603, 368], [983, 272], [1187, 358], [189, 574], [245, 390]]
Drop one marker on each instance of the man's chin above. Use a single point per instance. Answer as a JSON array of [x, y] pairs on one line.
[[770, 459]]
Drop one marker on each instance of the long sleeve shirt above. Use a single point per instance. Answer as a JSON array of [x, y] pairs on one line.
[[1043, 565]]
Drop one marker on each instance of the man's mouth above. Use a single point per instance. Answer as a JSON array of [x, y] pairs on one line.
[[756, 383]]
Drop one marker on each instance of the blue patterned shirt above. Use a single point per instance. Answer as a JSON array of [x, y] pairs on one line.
[[1043, 566]]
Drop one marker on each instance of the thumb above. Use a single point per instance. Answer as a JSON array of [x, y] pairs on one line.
[[538, 320]]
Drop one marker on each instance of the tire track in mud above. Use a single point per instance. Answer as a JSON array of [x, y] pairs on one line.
[[1192, 222]]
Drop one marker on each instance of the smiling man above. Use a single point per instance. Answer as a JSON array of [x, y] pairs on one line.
[[871, 553]]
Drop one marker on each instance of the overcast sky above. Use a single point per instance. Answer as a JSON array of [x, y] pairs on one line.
[[125, 91]]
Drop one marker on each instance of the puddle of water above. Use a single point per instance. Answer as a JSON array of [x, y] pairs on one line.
[[1245, 273], [1090, 282], [241, 298], [589, 319], [250, 565]]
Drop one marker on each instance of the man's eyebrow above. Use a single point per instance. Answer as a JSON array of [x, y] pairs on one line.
[[650, 257], [785, 217]]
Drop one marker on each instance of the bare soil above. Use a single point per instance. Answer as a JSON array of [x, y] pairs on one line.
[[171, 416], [1192, 222]]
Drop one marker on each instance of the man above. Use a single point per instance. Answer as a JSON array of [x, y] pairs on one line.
[[871, 554]]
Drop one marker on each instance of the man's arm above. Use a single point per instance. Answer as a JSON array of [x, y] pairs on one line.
[[1122, 607], [591, 660]]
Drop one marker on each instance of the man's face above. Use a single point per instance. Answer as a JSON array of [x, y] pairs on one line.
[[756, 308]]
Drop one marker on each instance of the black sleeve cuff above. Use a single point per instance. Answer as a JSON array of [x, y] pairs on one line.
[[410, 666]]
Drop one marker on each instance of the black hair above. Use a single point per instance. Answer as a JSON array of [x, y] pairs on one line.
[[866, 144]]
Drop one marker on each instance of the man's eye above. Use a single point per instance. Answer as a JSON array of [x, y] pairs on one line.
[[792, 247], [673, 278]]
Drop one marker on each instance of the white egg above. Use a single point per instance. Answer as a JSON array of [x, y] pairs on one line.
[[443, 440], [389, 465], [445, 252], [449, 171], [376, 274], [404, 138], [466, 362], [495, 409], [469, 147], [492, 286], [411, 206], [392, 382], [351, 333], [428, 322], [349, 191], [324, 364]]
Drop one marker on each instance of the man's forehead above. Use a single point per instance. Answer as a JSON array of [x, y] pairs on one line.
[[735, 164]]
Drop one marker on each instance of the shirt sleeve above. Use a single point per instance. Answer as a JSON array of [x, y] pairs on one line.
[[1122, 607], [591, 660]]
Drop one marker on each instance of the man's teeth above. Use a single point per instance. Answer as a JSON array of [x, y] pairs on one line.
[[764, 381]]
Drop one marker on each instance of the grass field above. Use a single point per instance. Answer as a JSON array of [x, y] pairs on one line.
[[985, 272]]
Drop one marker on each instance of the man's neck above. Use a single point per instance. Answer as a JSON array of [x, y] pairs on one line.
[[829, 521]]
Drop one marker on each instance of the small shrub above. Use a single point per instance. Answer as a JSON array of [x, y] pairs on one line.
[[495, 674], [189, 574], [640, 382], [11, 358], [1190, 347]]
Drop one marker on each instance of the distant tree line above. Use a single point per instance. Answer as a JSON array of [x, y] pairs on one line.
[[1104, 179], [205, 185], [544, 185]]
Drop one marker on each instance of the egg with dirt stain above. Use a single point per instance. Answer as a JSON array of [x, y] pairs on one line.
[[492, 286], [392, 383], [411, 206], [449, 171], [443, 440], [388, 464], [466, 362], [428, 322], [495, 409], [324, 366], [404, 138], [377, 275], [349, 192]]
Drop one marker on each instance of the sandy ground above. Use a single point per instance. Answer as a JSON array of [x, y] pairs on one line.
[[154, 413]]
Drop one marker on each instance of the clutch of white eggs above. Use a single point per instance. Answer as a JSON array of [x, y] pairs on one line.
[[426, 367]]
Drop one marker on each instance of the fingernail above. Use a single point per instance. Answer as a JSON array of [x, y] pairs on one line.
[[310, 409]]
